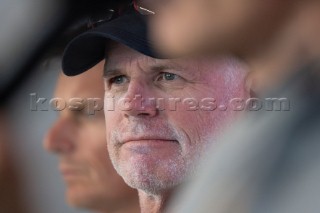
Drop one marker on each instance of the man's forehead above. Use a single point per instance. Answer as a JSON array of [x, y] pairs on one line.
[[67, 88], [120, 57], [85, 85], [119, 54]]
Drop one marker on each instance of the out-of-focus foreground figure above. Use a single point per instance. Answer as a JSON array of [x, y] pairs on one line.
[[269, 162], [275, 37], [189, 26], [10, 187], [78, 139]]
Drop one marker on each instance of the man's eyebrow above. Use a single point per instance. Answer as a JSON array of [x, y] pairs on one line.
[[177, 68], [160, 68], [164, 67], [111, 72], [154, 68]]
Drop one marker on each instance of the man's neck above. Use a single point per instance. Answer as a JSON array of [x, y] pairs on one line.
[[150, 203]]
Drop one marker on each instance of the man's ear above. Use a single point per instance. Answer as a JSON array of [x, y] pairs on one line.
[[250, 82]]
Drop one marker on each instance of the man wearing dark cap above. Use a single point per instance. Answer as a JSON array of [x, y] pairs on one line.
[[161, 114]]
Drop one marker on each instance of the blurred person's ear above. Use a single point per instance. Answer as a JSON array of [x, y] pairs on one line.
[[258, 83], [250, 85]]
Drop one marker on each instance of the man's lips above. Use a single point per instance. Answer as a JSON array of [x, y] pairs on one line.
[[155, 143], [147, 140], [69, 172], [147, 145]]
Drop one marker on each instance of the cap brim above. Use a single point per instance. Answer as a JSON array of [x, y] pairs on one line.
[[89, 48]]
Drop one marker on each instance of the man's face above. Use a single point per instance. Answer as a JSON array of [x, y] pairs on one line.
[[154, 131], [192, 26], [79, 141]]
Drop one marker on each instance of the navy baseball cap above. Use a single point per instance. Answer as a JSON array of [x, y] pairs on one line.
[[88, 49]]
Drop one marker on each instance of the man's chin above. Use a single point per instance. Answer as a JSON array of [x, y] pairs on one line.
[[152, 176], [80, 198], [77, 201], [152, 185]]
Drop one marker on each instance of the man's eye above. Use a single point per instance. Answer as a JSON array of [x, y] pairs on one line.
[[118, 79], [168, 76]]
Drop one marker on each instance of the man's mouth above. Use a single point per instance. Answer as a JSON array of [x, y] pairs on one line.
[[145, 145], [147, 139], [69, 172]]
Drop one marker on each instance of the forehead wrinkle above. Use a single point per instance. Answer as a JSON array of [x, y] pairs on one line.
[[119, 65], [142, 64], [179, 64], [146, 64], [130, 62], [191, 67]]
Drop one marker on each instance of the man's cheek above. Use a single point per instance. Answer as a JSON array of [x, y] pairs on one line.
[[110, 125], [208, 122], [183, 120], [112, 116]]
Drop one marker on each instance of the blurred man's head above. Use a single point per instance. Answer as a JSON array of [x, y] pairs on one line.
[[273, 37], [166, 112], [192, 26], [78, 139]]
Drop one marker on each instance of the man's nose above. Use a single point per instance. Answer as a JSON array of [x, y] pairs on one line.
[[139, 100], [60, 137]]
